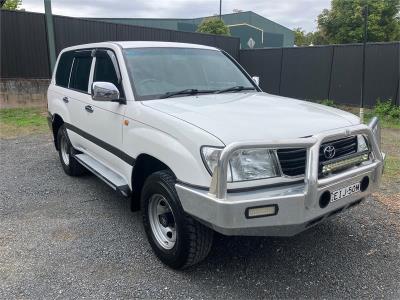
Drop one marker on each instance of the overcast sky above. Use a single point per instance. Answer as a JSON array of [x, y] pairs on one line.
[[289, 13]]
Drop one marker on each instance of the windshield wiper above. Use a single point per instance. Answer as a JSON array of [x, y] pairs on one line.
[[236, 88], [182, 92]]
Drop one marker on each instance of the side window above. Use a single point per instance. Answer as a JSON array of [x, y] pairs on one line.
[[80, 73], [64, 69], [105, 71]]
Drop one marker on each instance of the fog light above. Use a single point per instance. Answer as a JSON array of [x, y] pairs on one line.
[[261, 211]]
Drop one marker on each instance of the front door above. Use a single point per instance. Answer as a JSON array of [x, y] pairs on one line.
[[104, 119]]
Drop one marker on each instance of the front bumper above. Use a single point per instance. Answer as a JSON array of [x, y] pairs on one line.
[[298, 203]]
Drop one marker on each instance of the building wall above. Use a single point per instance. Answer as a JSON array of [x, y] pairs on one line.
[[23, 92], [155, 23], [268, 26], [272, 35]]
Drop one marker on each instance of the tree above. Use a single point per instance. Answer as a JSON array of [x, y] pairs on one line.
[[343, 23], [213, 26], [11, 4], [301, 38]]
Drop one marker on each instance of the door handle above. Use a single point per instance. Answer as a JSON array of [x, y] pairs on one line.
[[65, 99], [89, 108]]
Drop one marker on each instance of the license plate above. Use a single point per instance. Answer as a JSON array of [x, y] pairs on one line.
[[344, 192]]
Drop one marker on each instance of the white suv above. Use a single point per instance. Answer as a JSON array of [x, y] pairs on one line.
[[189, 136]]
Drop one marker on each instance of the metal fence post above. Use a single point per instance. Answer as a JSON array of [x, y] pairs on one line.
[[50, 34]]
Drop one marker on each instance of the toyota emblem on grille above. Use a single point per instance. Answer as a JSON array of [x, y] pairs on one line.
[[329, 151]]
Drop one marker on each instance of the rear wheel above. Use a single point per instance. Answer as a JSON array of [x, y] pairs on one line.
[[177, 239], [66, 151]]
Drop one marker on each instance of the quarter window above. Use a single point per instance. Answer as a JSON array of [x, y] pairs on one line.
[[64, 68], [80, 73]]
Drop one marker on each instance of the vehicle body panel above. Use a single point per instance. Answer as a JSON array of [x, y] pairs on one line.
[[242, 116]]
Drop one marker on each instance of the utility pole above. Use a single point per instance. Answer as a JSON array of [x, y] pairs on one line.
[[220, 9], [51, 45], [365, 14]]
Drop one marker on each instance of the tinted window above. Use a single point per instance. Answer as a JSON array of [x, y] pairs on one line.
[[105, 70], [80, 73], [64, 68]]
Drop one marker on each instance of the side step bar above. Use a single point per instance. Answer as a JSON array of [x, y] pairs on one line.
[[114, 180]]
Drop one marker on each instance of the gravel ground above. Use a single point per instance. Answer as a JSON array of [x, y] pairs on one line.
[[63, 237]]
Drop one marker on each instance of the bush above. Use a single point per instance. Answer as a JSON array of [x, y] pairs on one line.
[[327, 102], [213, 26], [387, 110]]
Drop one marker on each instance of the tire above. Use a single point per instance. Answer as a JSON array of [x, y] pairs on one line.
[[65, 152], [189, 242]]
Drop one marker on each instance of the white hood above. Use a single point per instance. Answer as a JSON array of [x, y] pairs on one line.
[[234, 117]]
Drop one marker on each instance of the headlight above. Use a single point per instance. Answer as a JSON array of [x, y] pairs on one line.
[[361, 144], [247, 164]]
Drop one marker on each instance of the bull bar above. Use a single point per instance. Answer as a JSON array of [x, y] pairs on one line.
[[226, 214]]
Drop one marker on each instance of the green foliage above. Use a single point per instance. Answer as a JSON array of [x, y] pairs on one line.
[[12, 4], [387, 110], [301, 38], [213, 26], [343, 23], [327, 102]]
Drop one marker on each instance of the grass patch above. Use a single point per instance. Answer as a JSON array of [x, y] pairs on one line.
[[387, 112], [369, 113], [22, 121], [392, 168]]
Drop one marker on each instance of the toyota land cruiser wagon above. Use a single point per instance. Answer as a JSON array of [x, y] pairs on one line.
[[189, 137]]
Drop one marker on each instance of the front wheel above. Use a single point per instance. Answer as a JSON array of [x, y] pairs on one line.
[[177, 239]]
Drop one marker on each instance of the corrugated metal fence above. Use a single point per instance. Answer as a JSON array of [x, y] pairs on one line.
[[328, 72], [315, 73], [24, 52]]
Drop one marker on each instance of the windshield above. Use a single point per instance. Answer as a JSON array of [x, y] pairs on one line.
[[161, 72]]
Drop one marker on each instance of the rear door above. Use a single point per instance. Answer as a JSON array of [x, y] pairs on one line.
[[78, 97]]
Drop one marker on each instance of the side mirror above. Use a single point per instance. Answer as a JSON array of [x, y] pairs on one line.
[[256, 80], [104, 91]]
